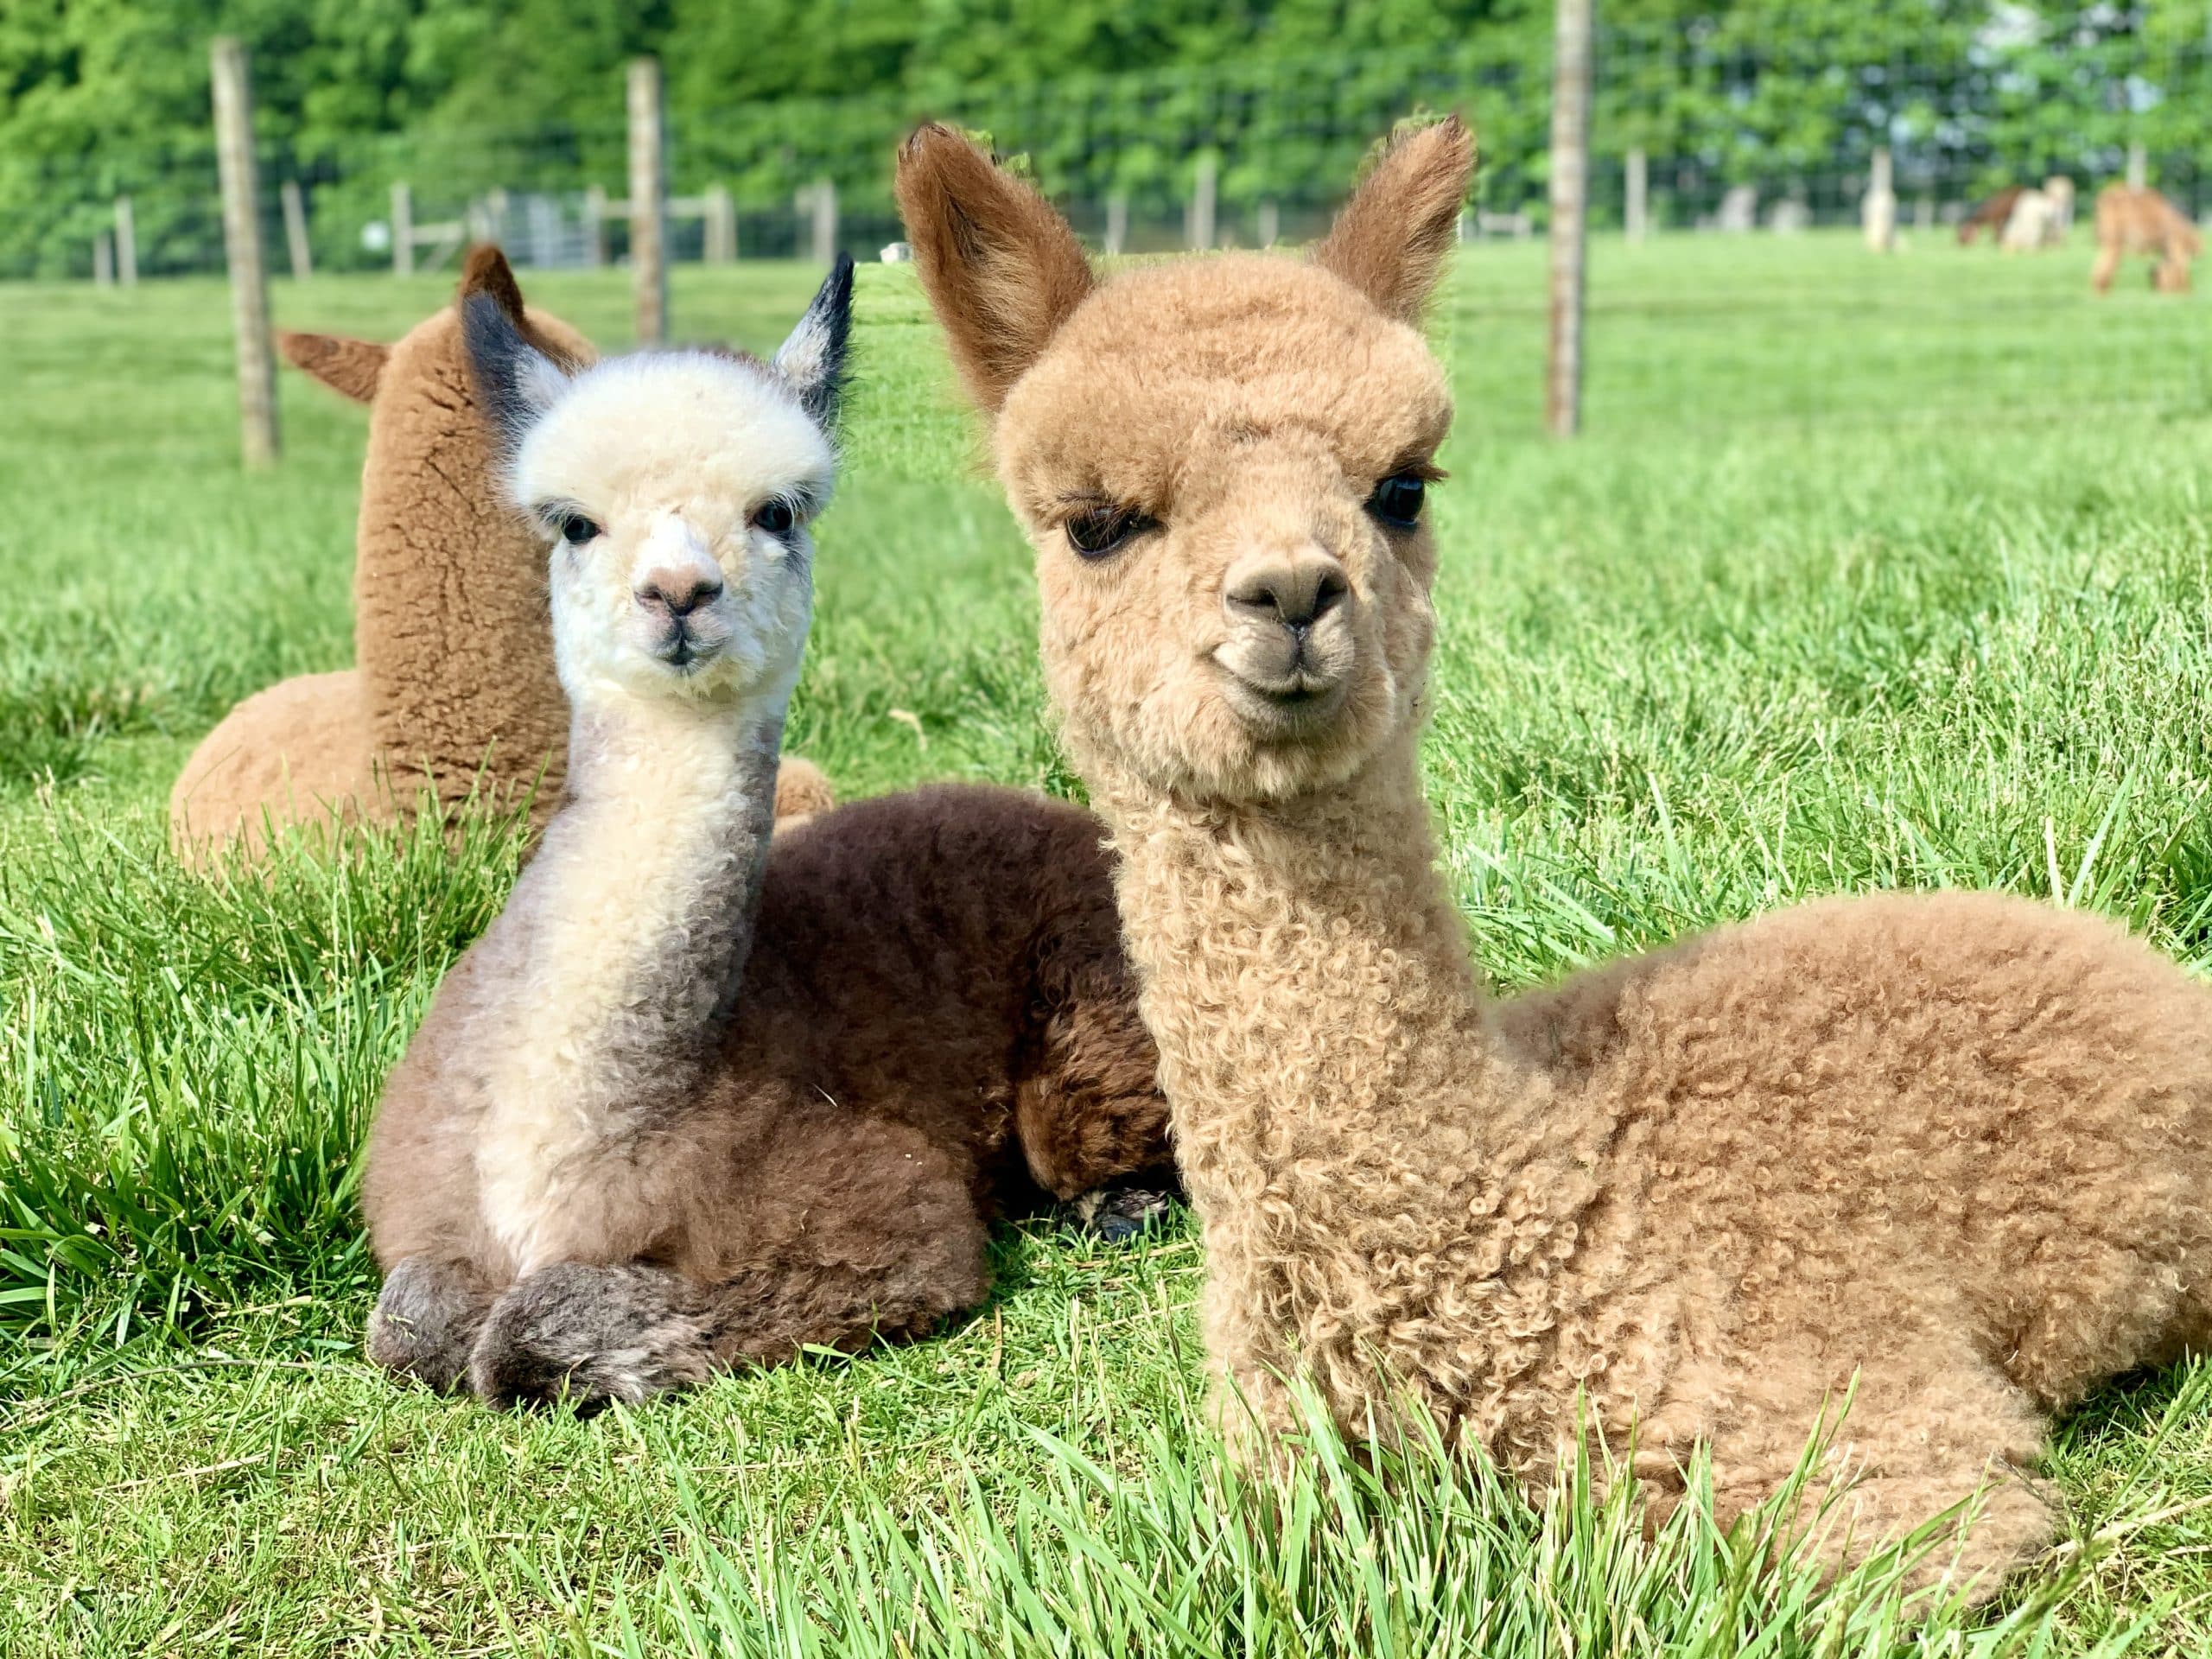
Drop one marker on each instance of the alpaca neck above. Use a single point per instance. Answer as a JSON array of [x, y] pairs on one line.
[[631, 930], [1350, 1130], [1306, 973]]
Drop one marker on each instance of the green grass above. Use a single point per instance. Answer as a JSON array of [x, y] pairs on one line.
[[1868, 574]]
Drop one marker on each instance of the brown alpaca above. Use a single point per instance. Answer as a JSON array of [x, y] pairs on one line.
[[1991, 213], [691, 1103], [1957, 1145], [2144, 222], [454, 680]]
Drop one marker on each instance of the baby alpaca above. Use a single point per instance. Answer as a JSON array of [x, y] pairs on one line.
[[1959, 1146], [454, 687], [690, 1103]]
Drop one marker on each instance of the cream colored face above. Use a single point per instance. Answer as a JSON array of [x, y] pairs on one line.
[[676, 491], [1229, 518]]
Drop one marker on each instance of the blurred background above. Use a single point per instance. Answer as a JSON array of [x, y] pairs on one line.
[[391, 131]]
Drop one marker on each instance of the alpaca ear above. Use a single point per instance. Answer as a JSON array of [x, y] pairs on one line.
[[1392, 236], [1003, 269], [486, 271], [515, 382], [813, 359], [349, 368]]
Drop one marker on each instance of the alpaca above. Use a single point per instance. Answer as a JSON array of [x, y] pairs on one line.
[[2144, 222], [455, 686], [1991, 213], [1958, 1146], [692, 1101], [2040, 219]]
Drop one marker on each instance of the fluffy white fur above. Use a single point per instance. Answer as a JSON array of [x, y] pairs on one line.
[[675, 461]]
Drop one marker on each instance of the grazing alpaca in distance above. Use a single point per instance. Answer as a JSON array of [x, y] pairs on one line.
[[690, 1102], [2040, 219], [454, 687], [2143, 222], [1958, 1146], [1991, 213]]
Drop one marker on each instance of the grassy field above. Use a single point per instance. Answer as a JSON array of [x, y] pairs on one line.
[[1868, 574]]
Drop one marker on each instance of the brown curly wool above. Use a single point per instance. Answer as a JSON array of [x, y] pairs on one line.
[[1957, 1147], [936, 1025]]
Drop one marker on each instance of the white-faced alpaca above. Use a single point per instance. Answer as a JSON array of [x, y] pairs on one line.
[[1959, 1146], [689, 1102]]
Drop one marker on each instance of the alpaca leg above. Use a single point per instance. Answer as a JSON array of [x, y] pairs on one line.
[[1088, 1110], [1967, 1525], [1120, 1210], [1940, 1434], [854, 1230], [426, 1320], [2105, 269], [590, 1335]]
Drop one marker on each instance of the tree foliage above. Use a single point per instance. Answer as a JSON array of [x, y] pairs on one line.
[[1106, 97]]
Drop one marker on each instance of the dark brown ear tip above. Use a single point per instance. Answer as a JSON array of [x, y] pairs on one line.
[[486, 270]]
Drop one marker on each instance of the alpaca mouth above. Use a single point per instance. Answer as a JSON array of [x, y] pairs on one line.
[[1290, 707], [685, 651]]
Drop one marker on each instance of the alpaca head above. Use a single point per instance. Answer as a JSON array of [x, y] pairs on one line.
[[1221, 463], [674, 490]]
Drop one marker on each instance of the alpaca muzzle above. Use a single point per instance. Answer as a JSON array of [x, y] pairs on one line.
[[1290, 651]]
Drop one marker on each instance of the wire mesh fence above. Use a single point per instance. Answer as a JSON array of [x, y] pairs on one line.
[[1699, 128]]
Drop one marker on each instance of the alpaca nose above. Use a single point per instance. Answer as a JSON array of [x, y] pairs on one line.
[[678, 591], [1293, 589]]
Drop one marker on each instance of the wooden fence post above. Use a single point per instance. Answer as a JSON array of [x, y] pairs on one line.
[[242, 251], [103, 259], [720, 215], [595, 225], [402, 230], [1569, 201], [648, 208], [1203, 186], [1270, 224], [296, 231], [126, 243], [1878, 211], [2138, 166], [1117, 222], [1636, 208], [824, 197]]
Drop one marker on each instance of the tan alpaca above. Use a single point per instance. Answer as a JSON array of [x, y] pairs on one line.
[[1957, 1145], [454, 684], [2143, 222]]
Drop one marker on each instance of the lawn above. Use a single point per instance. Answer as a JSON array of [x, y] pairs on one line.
[[1868, 573]]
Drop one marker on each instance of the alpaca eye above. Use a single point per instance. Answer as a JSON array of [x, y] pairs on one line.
[[576, 529], [775, 517], [1098, 532], [1397, 499]]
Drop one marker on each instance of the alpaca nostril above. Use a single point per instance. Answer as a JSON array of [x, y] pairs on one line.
[[1295, 592], [679, 596], [1331, 592]]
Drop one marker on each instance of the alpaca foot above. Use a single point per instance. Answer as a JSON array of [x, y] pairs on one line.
[[1120, 1211], [589, 1335], [425, 1321], [1964, 1538]]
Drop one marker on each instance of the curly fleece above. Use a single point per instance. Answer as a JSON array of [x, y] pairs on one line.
[[1957, 1147]]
